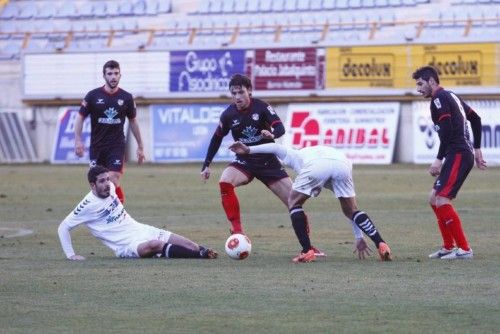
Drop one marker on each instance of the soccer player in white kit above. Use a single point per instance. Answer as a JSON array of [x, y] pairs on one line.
[[104, 215], [320, 167]]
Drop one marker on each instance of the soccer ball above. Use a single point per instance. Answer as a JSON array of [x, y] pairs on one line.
[[238, 246]]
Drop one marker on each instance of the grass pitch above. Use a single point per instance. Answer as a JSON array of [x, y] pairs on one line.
[[41, 292]]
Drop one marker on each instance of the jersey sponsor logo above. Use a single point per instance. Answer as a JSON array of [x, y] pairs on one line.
[[436, 127], [235, 123], [437, 103], [110, 113], [251, 135], [100, 101], [241, 162], [120, 102], [255, 117]]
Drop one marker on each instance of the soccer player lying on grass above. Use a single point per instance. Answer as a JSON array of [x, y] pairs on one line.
[[320, 167], [103, 213]]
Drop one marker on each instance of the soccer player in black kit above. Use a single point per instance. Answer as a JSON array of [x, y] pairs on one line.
[[252, 122], [108, 106], [450, 115]]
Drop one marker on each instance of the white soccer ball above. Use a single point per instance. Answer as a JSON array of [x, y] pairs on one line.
[[238, 246]]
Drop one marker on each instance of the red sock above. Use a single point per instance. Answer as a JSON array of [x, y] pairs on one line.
[[120, 194], [449, 216], [445, 231], [231, 205]]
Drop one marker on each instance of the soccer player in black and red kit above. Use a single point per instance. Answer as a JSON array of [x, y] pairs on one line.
[[108, 106], [252, 122], [450, 115]]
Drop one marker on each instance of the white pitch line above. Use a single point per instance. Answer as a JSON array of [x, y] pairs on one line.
[[18, 232]]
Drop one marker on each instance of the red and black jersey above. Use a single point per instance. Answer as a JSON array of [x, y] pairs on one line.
[[246, 125], [449, 115], [107, 115]]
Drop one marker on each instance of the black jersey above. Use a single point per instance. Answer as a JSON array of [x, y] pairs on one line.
[[245, 126], [449, 115], [107, 115]]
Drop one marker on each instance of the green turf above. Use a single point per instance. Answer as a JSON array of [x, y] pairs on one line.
[[41, 292]]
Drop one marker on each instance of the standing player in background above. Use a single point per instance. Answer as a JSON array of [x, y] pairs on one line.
[[253, 122], [449, 115], [108, 106], [104, 215], [320, 167]]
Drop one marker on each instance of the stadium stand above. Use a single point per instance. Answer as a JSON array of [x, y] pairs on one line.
[[65, 25]]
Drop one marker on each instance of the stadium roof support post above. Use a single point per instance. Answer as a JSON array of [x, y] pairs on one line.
[[151, 37], [26, 40], [468, 27], [192, 35], [277, 33], [373, 29], [326, 28], [111, 37], [68, 39], [234, 36], [420, 28]]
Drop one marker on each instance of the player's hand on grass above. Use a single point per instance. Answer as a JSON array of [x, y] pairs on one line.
[[76, 257], [140, 155], [205, 174], [79, 148], [267, 134], [362, 249], [478, 156], [435, 168], [239, 148]]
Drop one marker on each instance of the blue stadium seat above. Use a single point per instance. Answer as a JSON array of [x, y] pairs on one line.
[[265, 6], [240, 6], [277, 6], [67, 10], [126, 9], [28, 11], [139, 8], [328, 4], [228, 6], [112, 8], [47, 11], [290, 5], [342, 4], [315, 4], [10, 11], [216, 6], [164, 6], [152, 7], [303, 5], [100, 9]]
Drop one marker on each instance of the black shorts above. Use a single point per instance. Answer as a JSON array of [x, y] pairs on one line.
[[264, 167], [109, 157], [456, 167]]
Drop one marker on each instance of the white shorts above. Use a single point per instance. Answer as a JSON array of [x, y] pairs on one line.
[[335, 175], [146, 234]]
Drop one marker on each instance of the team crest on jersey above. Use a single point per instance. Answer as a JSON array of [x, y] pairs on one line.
[[120, 102], [255, 117], [100, 101], [436, 127], [92, 163], [437, 103], [117, 162], [84, 103]]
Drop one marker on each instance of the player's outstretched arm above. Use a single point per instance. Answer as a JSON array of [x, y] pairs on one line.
[[65, 239]]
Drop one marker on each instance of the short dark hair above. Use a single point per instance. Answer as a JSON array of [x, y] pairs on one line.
[[95, 171], [426, 72], [240, 80], [110, 64]]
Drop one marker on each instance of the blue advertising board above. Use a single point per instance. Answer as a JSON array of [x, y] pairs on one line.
[[182, 133], [204, 71], [64, 141]]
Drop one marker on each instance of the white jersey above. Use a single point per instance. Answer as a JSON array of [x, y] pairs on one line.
[[316, 167], [108, 221]]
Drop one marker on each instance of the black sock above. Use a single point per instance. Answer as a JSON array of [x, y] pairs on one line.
[[300, 226], [364, 222], [175, 251]]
